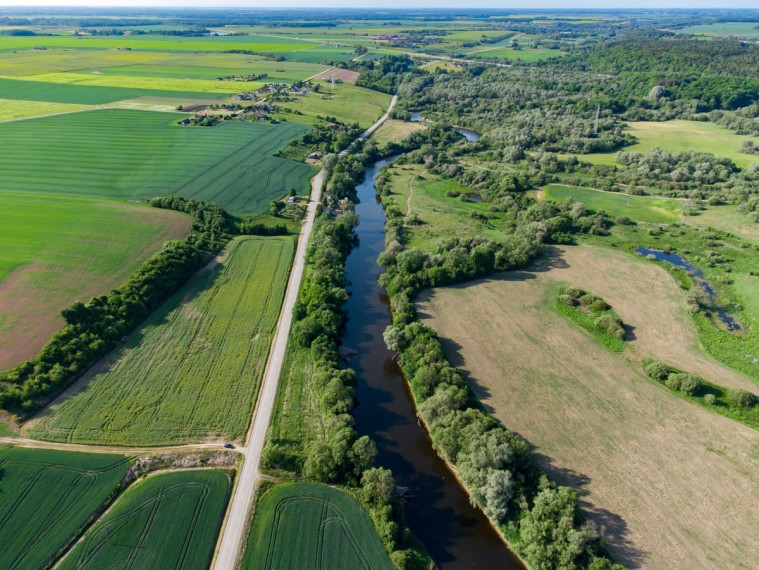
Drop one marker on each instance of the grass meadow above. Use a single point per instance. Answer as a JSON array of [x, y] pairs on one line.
[[305, 525], [45, 498], [167, 521], [393, 130], [193, 370], [638, 208], [127, 154], [432, 215], [644, 451], [679, 136], [348, 103], [59, 249]]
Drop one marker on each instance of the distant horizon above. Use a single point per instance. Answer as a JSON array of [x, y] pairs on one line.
[[400, 5]]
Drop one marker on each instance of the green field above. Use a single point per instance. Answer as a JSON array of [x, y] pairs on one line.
[[305, 526], [149, 83], [192, 371], [743, 30], [59, 249], [28, 90], [11, 109], [158, 43], [617, 204], [681, 135], [45, 498], [528, 55], [431, 214], [180, 65], [348, 103], [126, 154], [169, 520]]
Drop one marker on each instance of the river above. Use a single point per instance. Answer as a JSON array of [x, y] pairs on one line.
[[438, 510]]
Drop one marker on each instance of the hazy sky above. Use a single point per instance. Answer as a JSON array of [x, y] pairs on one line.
[[503, 4]]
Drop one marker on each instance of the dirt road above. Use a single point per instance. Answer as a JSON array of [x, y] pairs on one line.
[[245, 484], [244, 491]]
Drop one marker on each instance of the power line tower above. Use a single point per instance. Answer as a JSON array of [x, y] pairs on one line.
[[598, 118], [332, 80]]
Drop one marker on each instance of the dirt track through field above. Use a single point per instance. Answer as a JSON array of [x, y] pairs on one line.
[[674, 485]]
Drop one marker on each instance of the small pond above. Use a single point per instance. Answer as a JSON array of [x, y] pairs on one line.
[[698, 277]]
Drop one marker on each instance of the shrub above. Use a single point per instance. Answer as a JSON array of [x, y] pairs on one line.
[[741, 398], [657, 370], [710, 399], [599, 306], [568, 300], [574, 292], [690, 384], [674, 380], [588, 299], [611, 325]]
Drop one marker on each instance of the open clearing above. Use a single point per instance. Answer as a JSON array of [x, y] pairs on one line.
[[674, 485], [393, 130], [192, 371], [126, 154], [344, 75], [57, 250], [679, 136], [305, 526], [437, 215], [46, 496], [169, 520], [639, 208], [348, 103]]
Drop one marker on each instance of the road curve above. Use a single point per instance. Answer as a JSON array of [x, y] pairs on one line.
[[244, 491]]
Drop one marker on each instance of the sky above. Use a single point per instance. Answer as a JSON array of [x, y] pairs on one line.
[[502, 4]]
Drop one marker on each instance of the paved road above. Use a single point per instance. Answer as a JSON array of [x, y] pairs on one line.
[[244, 490]]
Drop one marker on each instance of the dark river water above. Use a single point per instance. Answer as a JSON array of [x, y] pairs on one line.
[[468, 133], [438, 510], [679, 261]]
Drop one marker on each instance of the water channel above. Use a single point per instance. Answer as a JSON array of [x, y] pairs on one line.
[[697, 274], [468, 133], [438, 510]]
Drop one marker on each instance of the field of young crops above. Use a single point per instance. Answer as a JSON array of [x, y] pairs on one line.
[[11, 109], [28, 90], [169, 520], [45, 498], [159, 43], [126, 154], [192, 371], [59, 249], [304, 525], [26, 64], [209, 87]]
